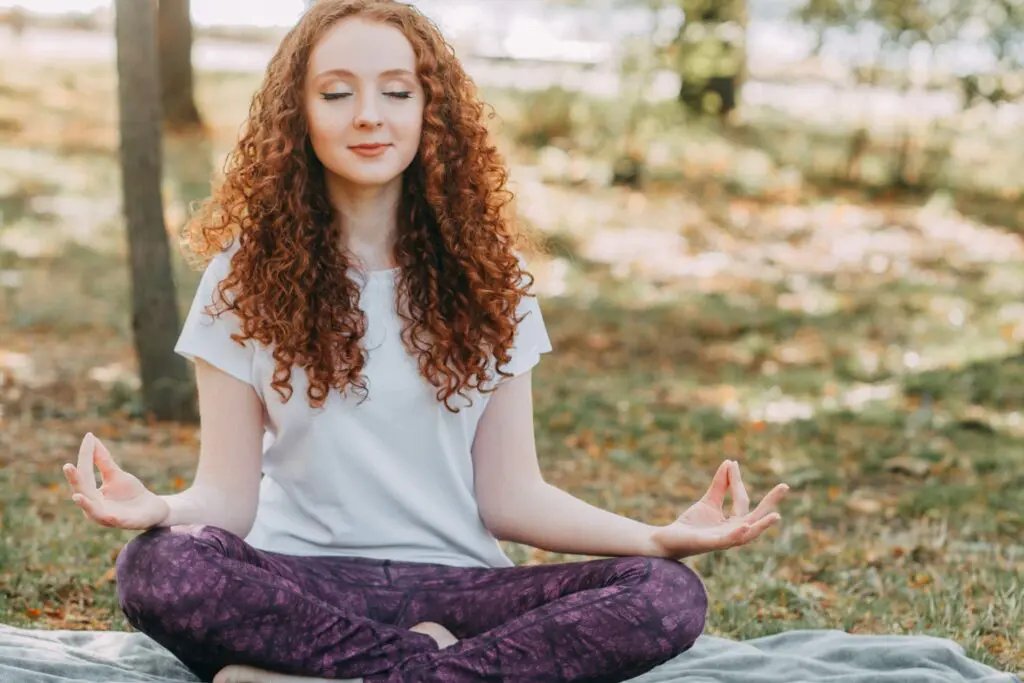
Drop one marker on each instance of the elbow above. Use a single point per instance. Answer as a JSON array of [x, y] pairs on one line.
[[490, 515], [231, 510], [494, 526], [243, 527], [241, 522], [502, 511]]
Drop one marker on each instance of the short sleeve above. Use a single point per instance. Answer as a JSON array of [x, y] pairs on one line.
[[531, 338], [208, 337]]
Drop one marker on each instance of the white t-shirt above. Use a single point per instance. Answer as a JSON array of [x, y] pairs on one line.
[[391, 478]]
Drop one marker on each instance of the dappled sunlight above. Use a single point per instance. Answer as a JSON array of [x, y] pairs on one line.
[[860, 343], [863, 293]]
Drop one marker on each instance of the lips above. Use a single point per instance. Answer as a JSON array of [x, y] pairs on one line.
[[369, 150]]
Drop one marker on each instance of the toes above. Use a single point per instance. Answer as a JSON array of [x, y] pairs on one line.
[[233, 674]]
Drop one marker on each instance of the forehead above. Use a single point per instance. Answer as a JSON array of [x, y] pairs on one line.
[[364, 47]]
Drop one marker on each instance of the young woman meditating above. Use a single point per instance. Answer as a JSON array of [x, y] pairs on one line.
[[371, 358]]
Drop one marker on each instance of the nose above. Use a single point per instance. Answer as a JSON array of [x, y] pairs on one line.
[[368, 113]]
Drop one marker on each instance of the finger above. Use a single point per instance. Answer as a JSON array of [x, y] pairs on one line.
[[740, 499], [760, 526], [93, 510], [768, 503], [736, 536], [724, 536], [74, 478], [71, 474], [105, 462], [86, 478], [719, 484]]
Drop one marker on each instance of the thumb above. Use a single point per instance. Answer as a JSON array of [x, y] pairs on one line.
[[715, 495], [104, 461]]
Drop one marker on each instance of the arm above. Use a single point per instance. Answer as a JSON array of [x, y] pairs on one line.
[[225, 490], [516, 504]]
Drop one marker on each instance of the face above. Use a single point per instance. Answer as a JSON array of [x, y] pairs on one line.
[[364, 102]]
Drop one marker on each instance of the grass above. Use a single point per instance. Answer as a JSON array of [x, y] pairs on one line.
[[884, 387]]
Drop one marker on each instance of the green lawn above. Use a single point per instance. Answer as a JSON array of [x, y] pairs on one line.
[[869, 355]]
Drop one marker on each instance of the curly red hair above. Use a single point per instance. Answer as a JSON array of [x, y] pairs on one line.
[[460, 279]]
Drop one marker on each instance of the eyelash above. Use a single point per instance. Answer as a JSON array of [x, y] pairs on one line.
[[398, 95]]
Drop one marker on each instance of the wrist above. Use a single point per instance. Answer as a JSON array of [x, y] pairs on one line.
[[652, 545], [168, 514], [167, 511]]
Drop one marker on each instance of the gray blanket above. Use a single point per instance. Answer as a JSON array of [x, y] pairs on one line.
[[34, 656]]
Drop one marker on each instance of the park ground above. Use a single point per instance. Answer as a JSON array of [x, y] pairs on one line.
[[864, 348]]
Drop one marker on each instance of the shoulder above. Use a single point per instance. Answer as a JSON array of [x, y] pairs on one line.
[[222, 259], [218, 267]]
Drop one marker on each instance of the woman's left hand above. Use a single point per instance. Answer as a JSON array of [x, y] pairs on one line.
[[705, 527]]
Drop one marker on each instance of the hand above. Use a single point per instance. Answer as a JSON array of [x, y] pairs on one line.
[[704, 526], [122, 502]]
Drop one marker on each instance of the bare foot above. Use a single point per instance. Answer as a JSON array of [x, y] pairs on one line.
[[237, 673], [247, 674], [440, 634]]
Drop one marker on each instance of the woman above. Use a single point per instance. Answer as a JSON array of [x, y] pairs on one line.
[[376, 326]]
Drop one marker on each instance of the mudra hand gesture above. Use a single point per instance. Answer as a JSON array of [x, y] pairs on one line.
[[122, 502], [705, 526]]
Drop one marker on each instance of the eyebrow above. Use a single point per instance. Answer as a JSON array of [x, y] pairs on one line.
[[349, 74]]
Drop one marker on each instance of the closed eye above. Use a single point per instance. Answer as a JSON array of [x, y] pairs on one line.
[[335, 95], [400, 95]]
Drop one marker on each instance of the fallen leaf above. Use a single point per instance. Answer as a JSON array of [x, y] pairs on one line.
[[864, 506], [107, 577], [920, 580]]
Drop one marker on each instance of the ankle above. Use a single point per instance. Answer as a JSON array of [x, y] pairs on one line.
[[442, 636]]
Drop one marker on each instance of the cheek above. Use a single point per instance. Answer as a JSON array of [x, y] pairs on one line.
[[324, 125], [411, 126]]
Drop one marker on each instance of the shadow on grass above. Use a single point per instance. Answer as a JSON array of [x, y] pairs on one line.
[[646, 384], [996, 383]]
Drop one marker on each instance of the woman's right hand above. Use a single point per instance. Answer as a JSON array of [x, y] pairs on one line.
[[122, 502]]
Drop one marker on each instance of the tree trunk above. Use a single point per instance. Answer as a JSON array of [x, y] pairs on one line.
[[167, 392], [712, 68], [174, 36]]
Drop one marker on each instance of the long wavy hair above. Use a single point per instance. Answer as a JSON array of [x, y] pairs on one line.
[[460, 279]]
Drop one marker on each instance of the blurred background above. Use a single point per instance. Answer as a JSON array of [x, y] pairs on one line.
[[783, 231]]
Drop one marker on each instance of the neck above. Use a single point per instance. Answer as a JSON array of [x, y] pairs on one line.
[[369, 220]]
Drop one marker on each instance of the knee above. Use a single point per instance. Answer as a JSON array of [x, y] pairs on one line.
[[681, 602], [153, 572]]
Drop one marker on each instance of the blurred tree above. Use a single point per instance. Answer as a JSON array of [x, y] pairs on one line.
[[900, 41], [166, 387], [174, 36], [710, 55], [989, 28], [708, 52]]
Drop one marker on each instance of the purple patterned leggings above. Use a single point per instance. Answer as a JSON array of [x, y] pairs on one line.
[[213, 600]]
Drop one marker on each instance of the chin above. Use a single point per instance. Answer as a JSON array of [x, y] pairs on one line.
[[365, 177]]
